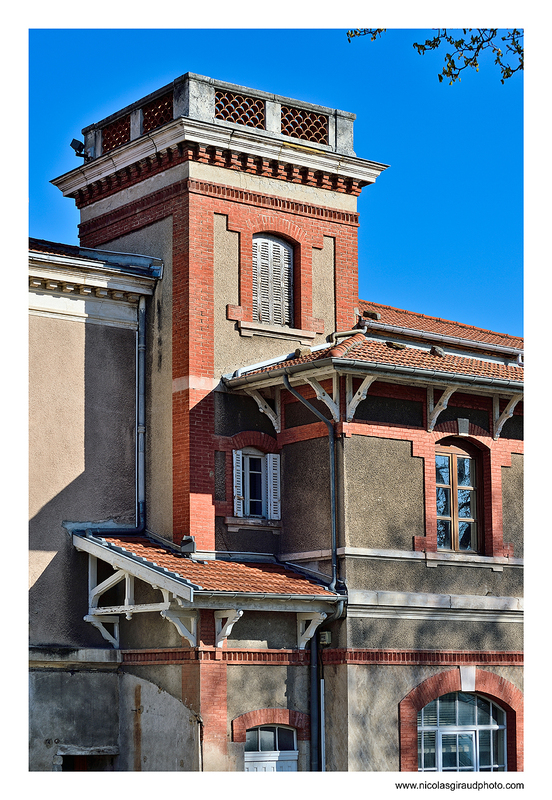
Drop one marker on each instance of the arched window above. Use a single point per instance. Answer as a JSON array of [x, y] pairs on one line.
[[272, 280], [270, 748], [458, 513], [461, 732]]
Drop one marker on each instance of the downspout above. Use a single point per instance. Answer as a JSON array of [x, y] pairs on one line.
[[333, 502], [315, 705]]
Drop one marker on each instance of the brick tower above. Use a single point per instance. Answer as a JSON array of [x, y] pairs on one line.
[[193, 173]]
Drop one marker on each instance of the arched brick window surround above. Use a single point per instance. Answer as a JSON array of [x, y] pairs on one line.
[[271, 716], [493, 686], [302, 243]]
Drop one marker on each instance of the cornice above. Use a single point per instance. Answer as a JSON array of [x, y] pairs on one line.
[[186, 139], [71, 276]]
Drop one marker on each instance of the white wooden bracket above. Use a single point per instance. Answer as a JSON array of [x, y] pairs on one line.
[[359, 396], [321, 394], [265, 408], [307, 625], [224, 622], [99, 615], [498, 418], [185, 623], [100, 622], [434, 411]]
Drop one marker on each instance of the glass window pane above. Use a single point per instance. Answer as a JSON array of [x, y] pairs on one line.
[[485, 748], [483, 711], [286, 739], [448, 750], [499, 717], [442, 469], [429, 749], [466, 755], [466, 536], [255, 486], [465, 503], [498, 747], [430, 713], [465, 471], [268, 738], [447, 709], [443, 534], [420, 762], [251, 740], [466, 709], [443, 502]]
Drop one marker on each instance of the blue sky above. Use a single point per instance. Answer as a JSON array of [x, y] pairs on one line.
[[441, 230]]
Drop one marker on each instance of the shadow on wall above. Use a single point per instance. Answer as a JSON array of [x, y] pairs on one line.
[[101, 379]]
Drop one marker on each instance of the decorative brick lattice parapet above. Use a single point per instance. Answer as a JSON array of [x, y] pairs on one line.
[[302, 124], [240, 109]]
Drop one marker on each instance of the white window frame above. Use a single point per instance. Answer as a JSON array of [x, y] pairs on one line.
[[270, 465], [437, 731], [272, 281], [272, 760]]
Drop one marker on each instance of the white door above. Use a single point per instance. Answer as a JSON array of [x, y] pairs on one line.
[[271, 761]]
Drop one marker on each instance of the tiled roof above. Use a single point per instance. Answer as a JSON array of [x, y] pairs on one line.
[[420, 322], [220, 576], [360, 348]]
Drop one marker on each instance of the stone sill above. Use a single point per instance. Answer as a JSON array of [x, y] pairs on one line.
[[236, 523], [275, 332]]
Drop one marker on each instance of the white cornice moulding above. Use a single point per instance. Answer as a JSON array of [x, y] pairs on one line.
[[211, 135]]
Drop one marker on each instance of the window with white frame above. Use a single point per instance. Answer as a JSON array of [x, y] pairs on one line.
[[461, 732], [272, 280], [270, 748], [256, 484]]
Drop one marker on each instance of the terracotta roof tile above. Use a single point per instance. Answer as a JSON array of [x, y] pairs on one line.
[[421, 322], [360, 348], [221, 576]]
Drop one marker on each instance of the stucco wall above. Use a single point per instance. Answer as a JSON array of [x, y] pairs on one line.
[[306, 509], [156, 240], [383, 493], [368, 739], [82, 420], [512, 504]]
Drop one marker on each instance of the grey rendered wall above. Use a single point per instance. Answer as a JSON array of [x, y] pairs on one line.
[[512, 504], [384, 490], [369, 733], [82, 419], [156, 240], [71, 709], [306, 508], [255, 687], [158, 733]]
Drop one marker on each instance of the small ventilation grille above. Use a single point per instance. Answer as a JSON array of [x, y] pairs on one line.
[[240, 109], [303, 124], [116, 133], [157, 112]]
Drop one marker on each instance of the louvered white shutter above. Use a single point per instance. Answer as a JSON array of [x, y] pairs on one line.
[[238, 482], [272, 281], [273, 485]]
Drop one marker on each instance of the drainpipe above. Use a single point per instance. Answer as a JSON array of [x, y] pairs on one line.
[[333, 502], [315, 705]]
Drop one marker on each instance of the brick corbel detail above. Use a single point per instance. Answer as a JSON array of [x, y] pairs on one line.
[[508, 696], [271, 716]]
